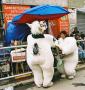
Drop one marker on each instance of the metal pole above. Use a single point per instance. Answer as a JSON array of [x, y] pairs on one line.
[[13, 46], [15, 76]]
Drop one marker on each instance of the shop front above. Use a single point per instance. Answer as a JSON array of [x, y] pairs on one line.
[[12, 8]]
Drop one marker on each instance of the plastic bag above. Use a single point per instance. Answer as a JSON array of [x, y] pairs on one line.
[[60, 64]]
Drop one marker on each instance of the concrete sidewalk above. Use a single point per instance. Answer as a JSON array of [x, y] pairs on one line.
[[30, 81], [78, 83], [61, 84], [79, 67]]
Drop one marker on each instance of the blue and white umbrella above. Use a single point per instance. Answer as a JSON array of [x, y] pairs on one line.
[[43, 12]]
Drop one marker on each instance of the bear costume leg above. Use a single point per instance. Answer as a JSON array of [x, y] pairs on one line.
[[38, 75], [48, 73], [70, 69]]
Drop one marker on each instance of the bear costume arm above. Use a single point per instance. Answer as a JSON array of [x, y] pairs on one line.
[[51, 39], [68, 46]]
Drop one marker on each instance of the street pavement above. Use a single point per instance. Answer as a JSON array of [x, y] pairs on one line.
[[78, 83]]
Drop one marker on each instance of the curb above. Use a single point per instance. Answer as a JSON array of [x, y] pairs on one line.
[[80, 67]]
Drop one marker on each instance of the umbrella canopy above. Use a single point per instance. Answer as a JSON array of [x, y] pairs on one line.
[[43, 12]]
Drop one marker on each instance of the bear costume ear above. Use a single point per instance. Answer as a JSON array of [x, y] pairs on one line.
[[29, 25]]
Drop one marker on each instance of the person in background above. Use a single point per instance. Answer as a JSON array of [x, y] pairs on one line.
[[16, 42], [77, 37], [15, 65], [12, 42], [82, 36], [75, 31], [63, 35], [83, 40]]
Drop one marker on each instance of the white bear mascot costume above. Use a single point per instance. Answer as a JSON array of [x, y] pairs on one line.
[[39, 55], [70, 51]]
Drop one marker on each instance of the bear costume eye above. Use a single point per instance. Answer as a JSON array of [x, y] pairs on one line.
[[54, 39], [43, 24]]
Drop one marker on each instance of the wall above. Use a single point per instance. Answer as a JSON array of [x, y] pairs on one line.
[[81, 22], [72, 19], [76, 3], [58, 25], [39, 2], [11, 10]]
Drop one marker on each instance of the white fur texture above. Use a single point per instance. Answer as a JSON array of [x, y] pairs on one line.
[[41, 64], [9, 88], [37, 27], [70, 50]]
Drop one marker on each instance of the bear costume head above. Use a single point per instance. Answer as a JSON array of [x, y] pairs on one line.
[[38, 27]]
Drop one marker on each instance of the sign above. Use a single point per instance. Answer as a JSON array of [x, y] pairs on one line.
[[54, 27], [38, 2], [58, 25], [18, 55], [64, 23], [11, 10]]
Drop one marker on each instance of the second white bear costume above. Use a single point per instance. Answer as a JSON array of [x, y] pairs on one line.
[[70, 50]]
